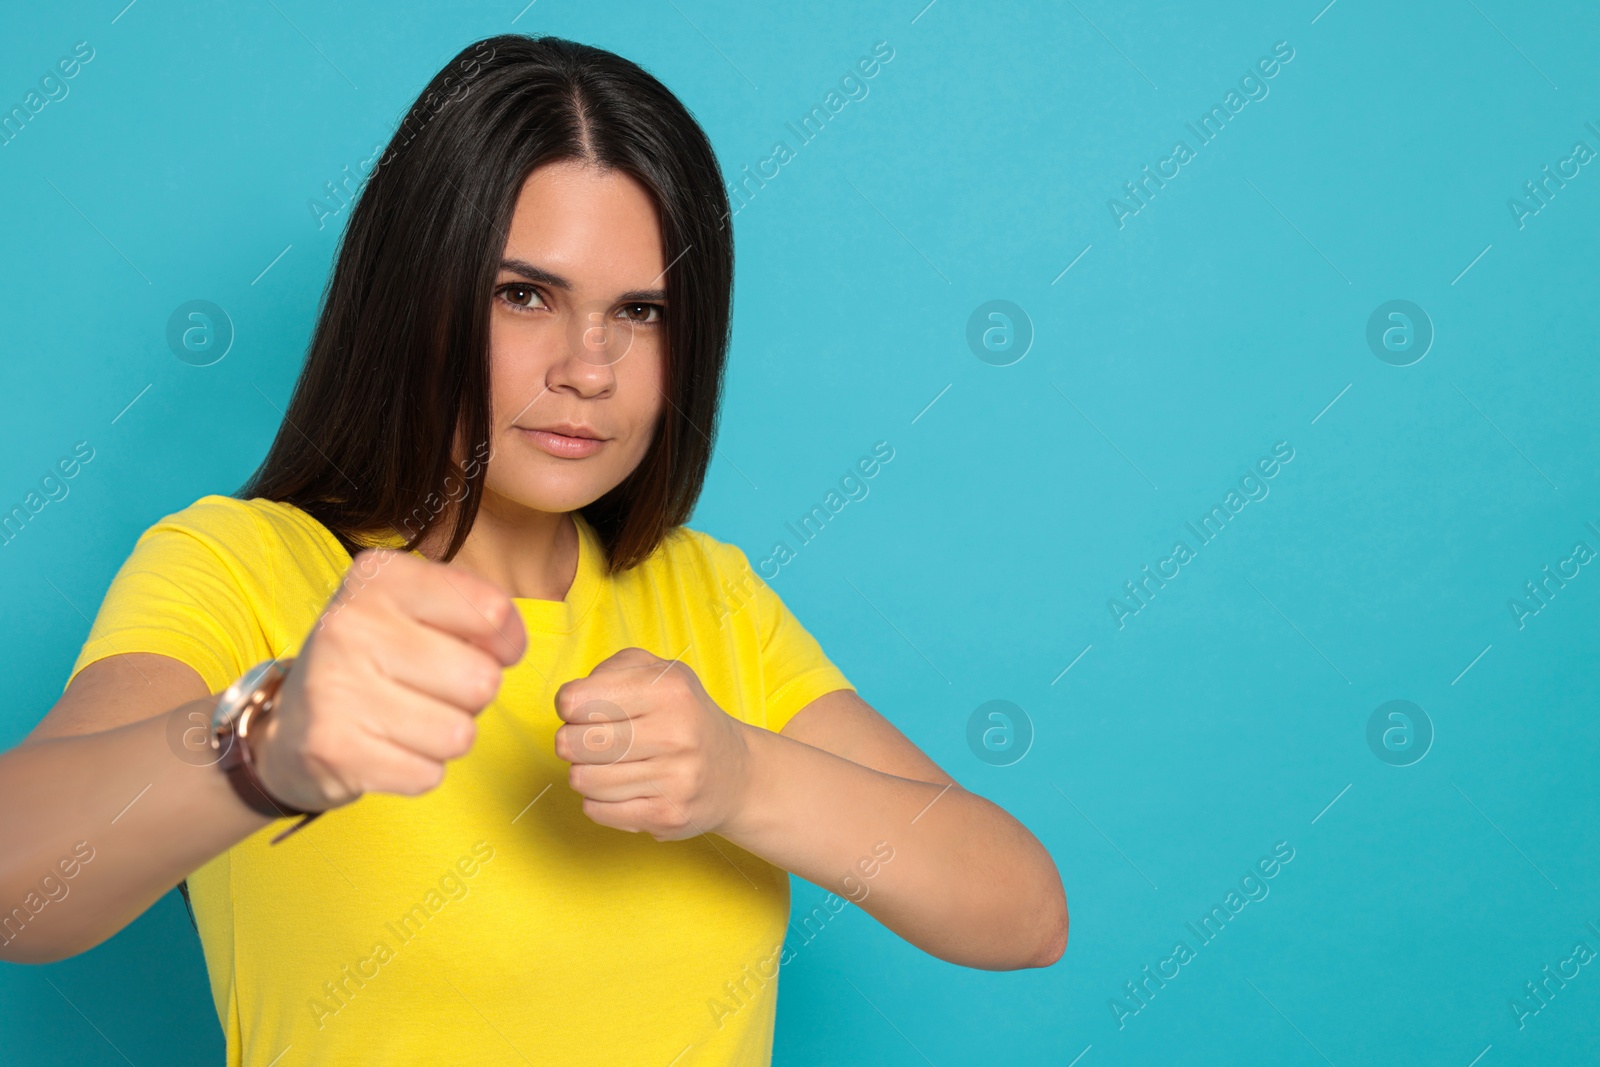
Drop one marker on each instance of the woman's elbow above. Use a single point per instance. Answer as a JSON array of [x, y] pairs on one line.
[[1041, 943], [1050, 920], [1033, 932], [1053, 944]]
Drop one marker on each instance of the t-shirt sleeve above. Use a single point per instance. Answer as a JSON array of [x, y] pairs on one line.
[[184, 592], [795, 670]]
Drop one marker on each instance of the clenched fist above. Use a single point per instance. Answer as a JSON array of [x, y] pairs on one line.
[[649, 749], [385, 688]]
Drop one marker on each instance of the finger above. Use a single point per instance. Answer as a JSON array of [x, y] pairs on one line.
[[390, 768], [607, 741], [432, 729], [506, 638], [436, 665], [601, 742], [451, 599], [629, 815], [627, 688], [586, 704], [654, 815], [616, 782]]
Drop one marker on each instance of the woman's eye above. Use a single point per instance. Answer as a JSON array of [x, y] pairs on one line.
[[521, 297], [642, 313]]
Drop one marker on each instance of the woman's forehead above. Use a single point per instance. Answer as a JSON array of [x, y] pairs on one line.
[[591, 226]]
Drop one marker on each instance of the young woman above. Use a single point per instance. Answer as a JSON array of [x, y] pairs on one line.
[[466, 548]]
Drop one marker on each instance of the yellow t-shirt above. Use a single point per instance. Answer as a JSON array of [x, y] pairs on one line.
[[488, 921]]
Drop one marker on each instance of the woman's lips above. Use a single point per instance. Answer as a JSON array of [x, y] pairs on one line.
[[561, 445]]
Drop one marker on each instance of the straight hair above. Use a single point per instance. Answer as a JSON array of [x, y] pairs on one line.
[[396, 379]]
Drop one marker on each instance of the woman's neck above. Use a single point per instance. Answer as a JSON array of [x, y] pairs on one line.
[[530, 554]]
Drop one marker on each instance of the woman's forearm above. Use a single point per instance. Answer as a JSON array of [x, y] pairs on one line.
[[965, 881], [142, 815]]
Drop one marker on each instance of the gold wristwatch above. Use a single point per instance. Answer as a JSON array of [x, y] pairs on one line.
[[240, 709]]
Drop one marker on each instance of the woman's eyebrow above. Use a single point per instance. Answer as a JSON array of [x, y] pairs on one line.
[[539, 274]]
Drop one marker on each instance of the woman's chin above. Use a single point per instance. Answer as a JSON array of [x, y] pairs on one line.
[[553, 496]]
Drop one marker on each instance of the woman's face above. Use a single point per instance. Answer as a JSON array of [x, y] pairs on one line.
[[577, 338]]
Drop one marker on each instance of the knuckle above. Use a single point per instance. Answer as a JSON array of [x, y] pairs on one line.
[[567, 698], [428, 777], [676, 677], [496, 607], [344, 787], [670, 817], [345, 626], [484, 595], [485, 673], [336, 784], [366, 565], [362, 565], [676, 737], [462, 736]]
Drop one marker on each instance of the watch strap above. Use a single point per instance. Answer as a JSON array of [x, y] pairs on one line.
[[245, 710]]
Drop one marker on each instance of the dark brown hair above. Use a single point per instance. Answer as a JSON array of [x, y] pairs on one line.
[[397, 374]]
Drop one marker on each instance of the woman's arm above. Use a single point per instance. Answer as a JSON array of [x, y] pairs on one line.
[[840, 797], [382, 694], [98, 778], [840, 788]]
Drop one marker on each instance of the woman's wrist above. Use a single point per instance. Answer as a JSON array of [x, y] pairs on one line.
[[752, 814], [243, 712], [259, 749]]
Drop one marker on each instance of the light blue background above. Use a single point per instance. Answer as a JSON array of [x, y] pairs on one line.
[[1223, 318]]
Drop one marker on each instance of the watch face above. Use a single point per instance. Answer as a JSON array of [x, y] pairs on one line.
[[233, 698]]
